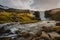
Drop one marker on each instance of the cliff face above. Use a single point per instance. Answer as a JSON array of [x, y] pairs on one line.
[[53, 14]]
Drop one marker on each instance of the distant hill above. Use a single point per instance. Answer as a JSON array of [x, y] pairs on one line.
[[5, 8]]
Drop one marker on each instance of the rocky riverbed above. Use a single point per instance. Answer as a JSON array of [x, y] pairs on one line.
[[33, 31]]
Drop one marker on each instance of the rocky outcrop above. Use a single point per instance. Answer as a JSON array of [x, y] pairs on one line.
[[53, 14]]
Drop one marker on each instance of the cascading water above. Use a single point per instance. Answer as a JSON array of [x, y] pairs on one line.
[[42, 15]]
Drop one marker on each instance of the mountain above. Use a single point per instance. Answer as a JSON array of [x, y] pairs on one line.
[[7, 9], [3, 7]]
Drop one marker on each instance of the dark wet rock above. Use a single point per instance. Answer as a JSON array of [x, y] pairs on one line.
[[57, 24]]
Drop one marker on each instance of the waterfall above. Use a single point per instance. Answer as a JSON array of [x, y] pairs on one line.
[[42, 15]]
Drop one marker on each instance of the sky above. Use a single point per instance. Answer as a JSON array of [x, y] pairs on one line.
[[40, 5]]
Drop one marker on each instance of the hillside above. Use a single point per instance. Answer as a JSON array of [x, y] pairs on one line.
[[53, 14], [16, 15]]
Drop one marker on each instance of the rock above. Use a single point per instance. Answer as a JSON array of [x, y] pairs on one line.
[[57, 24], [53, 14]]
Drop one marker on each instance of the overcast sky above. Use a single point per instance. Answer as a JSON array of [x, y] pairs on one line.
[[32, 4]]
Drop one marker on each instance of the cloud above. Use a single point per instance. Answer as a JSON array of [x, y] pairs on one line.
[[20, 4], [40, 5], [45, 4]]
